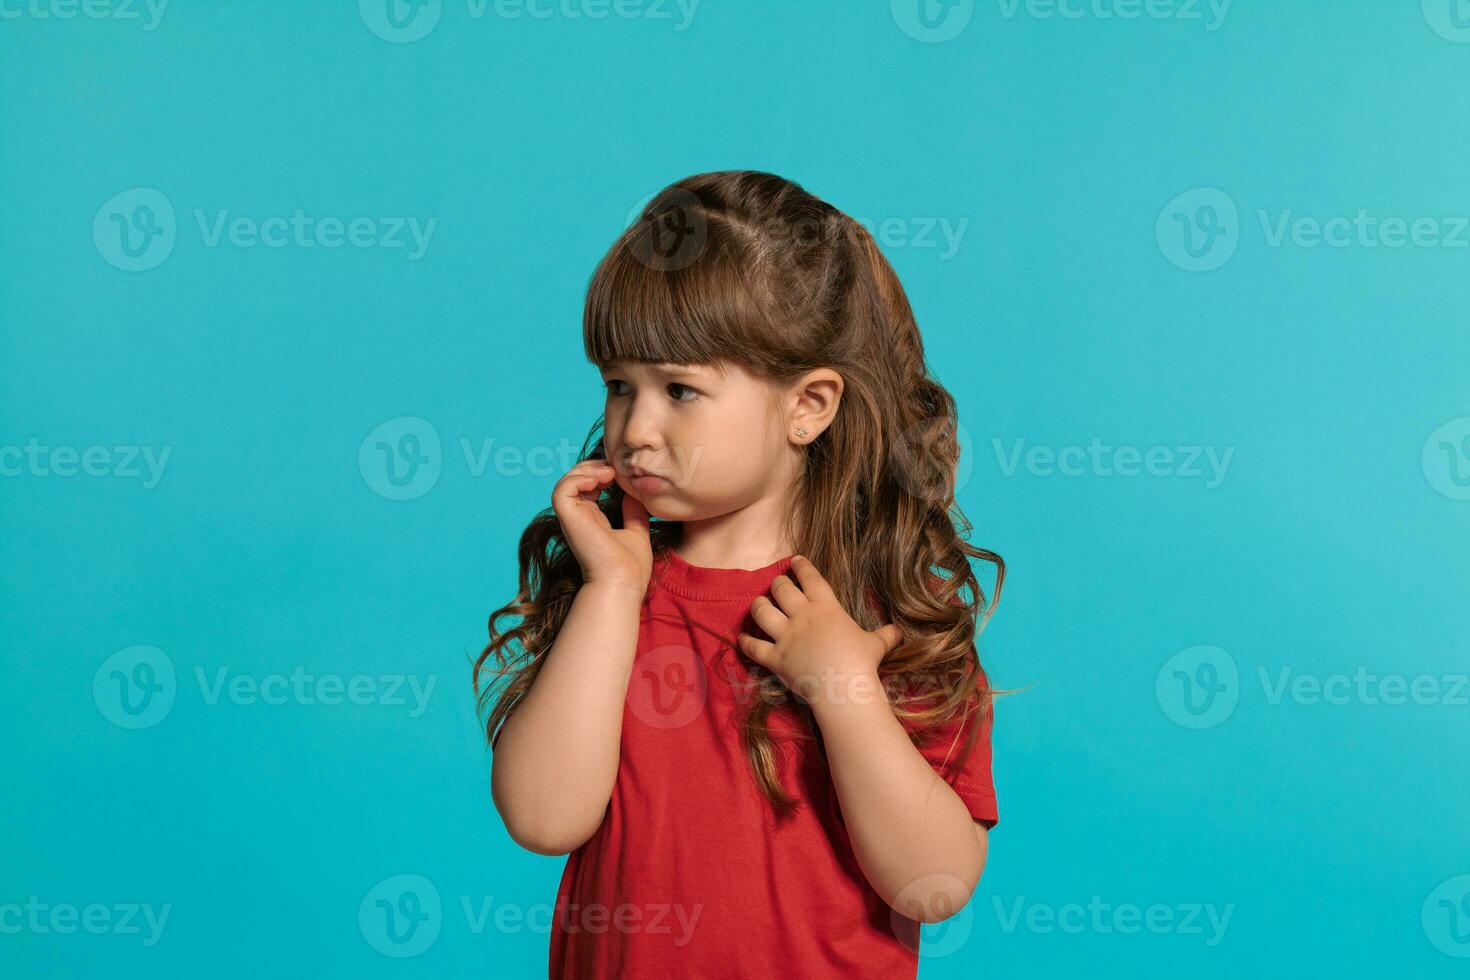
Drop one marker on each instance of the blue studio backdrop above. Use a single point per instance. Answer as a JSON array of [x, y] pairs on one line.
[[290, 299]]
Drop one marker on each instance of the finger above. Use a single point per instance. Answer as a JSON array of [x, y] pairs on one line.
[[768, 617], [786, 593], [570, 491], [761, 651], [891, 636], [635, 515], [588, 467], [813, 583], [593, 468], [578, 482], [569, 483], [589, 488]]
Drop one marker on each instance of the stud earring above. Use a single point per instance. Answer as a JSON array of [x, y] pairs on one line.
[[801, 431]]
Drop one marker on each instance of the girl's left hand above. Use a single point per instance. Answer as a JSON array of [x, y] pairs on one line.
[[815, 641]]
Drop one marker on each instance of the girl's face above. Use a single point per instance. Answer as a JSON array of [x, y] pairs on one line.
[[712, 438]]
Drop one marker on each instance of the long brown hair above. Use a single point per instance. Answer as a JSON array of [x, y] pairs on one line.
[[749, 267]]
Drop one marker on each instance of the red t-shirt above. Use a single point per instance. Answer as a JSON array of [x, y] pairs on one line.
[[690, 874]]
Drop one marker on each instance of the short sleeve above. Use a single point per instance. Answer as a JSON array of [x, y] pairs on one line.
[[968, 775], [944, 748]]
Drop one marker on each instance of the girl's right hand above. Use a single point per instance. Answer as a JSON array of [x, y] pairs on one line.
[[618, 555]]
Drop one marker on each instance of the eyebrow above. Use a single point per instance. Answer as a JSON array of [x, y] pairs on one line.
[[667, 370]]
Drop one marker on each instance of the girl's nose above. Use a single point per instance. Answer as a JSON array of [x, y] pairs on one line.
[[640, 427]]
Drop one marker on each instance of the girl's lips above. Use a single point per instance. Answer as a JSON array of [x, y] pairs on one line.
[[648, 484]]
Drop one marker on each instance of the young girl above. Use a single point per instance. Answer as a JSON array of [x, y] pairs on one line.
[[743, 691]]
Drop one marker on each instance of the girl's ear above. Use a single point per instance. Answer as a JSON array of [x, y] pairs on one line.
[[813, 403]]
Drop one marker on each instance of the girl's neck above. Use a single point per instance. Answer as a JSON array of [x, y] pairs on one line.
[[700, 543]]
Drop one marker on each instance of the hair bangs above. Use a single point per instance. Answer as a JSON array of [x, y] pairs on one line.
[[651, 312]]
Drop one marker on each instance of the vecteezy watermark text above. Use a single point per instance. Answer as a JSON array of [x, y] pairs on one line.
[[403, 457], [136, 230], [679, 233], [1209, 463], [301, 687], [1210, 12], [936, 21], [1363, 687], [307, 231], [1204, 919], [35, 459], [136, 687], [1201, 229], [89, 9], [403, 21], [1201, 686], [403, 915], [98, 918], [673, 919]]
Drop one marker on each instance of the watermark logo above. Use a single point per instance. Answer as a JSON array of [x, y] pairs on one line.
[[401, 458], [1199, 230], [1450, 19], [679, 231], [135, 687], [675, 230], [921, 462], [932, 21], [1446, 917], [135, 230], [400, 21], [1446, 459], [1198, 687], [401, 916], [925, 919], [669, 687]]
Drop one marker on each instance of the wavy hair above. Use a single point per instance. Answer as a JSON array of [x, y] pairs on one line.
[[749, 267]]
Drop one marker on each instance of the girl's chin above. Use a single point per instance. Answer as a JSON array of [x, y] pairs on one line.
[[666, 507]]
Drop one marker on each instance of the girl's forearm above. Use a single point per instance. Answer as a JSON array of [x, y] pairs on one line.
[[913, 836], [556, 758]]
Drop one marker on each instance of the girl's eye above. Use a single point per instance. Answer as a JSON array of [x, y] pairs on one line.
[[675, 390]]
